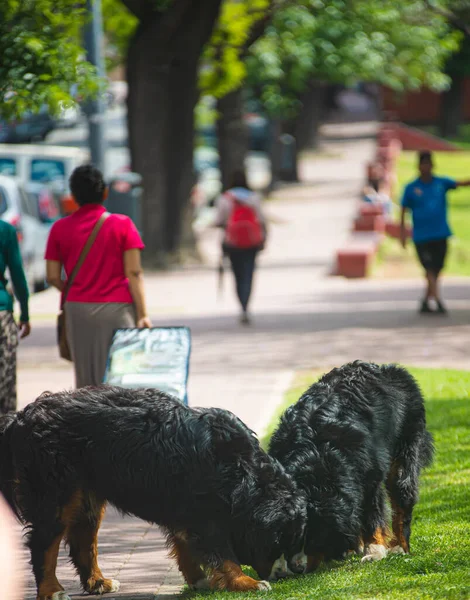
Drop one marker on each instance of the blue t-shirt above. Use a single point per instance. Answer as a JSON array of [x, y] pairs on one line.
[[428, 204]]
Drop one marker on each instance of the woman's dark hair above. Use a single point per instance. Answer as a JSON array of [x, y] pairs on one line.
[[238, 179], [87, 185]]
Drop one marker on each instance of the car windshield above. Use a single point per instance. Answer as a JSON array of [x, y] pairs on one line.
[[46, 205], [8, 167], [46, 170], [3, 202]]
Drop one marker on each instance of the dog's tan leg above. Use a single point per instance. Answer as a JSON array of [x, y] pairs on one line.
[[230, 577], [82, 539], [49, 586], [399, 538], [313, 561], [44, 553], [375, 546], [189, 568]]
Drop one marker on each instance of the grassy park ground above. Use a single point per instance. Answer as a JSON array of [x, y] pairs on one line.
[[439, 563], [462, 140], [394, 261]]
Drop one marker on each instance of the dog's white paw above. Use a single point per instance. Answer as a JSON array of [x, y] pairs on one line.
[[202, 584], [374, 552], [299, 562], [396, 550], [280, 570], [115, 585], [60, 596], [108, 586], [264, 586]]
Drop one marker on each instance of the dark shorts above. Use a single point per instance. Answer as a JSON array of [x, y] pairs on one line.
[[432, 255]]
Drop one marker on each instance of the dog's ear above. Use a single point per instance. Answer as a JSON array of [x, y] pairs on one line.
[[346, 435], [232, 442], [6, 421]]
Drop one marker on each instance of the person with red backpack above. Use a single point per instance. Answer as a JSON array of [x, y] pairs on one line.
[[239, 213]]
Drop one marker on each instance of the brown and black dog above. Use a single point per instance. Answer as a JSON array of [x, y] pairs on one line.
[[198, 473], [353, 437]]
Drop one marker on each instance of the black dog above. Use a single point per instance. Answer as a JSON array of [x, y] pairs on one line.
[[198, 473], [360, 427]]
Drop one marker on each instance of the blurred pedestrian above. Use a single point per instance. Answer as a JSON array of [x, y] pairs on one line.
[[107, 291], [11, 576], [375, 190], [10, 258], [239, 213], [426, 198]]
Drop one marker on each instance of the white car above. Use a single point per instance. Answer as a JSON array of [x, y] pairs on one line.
[[41, 163], [19, 209], [69, 116]]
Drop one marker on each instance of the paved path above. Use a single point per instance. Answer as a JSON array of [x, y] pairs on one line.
[[302, 319]]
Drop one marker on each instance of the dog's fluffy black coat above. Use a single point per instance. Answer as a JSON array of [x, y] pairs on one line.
[[198, 473], [360, 429]]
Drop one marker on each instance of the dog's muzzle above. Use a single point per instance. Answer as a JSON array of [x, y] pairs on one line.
[[298, 563]]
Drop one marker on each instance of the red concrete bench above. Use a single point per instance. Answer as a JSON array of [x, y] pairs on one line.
[[355, 259], [370, 223], [367, 209], [394, 230]]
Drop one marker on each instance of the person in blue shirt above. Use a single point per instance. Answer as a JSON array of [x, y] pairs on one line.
[[426, 198]]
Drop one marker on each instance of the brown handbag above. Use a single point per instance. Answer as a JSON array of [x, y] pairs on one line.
[[62, 341]]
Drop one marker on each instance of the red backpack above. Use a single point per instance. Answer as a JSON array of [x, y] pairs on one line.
[[243, 230]]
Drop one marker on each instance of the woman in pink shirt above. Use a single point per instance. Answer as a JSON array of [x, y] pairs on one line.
[[107, 292]]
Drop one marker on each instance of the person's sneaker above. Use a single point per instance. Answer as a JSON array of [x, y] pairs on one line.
[[245, 319], [441, 309], [425, 308]]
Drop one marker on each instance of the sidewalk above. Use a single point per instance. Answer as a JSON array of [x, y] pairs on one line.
[[301, 319]]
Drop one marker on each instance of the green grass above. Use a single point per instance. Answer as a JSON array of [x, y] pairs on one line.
[[449, 164], [462, 140], [439, 565]]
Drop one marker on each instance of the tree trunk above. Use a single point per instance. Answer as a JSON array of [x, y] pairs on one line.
[[311, 115], [232, 134], [451, 116], [162, 70], [288, 170], [275, 153]]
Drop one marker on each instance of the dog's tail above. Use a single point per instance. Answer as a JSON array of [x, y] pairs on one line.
[[426, 454], [7, 476]]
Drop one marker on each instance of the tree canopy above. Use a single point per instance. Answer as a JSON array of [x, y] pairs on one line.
[[41, 55], [223, 66], [399, 43]]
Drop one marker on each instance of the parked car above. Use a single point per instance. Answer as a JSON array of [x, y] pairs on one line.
[[19, 208], [31, 127], [69, 117], [51, 165], [118, 89], [209, 177], [45, 201], [208, 184]]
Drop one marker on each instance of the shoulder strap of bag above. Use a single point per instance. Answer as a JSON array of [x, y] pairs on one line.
[[84, 254]]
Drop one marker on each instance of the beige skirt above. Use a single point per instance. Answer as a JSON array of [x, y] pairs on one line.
[[90, 328]]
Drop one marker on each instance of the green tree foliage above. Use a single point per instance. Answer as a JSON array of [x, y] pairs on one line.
[[457, 15], [120, 25], [456, 12], [223, 67], [41, 55], [399, 43]]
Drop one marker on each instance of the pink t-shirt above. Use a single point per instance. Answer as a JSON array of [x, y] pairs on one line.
[[101, 277]]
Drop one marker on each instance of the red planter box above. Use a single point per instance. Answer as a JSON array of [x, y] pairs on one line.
[[368, 209], [393, 230], [370, 223], [354, 263]]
